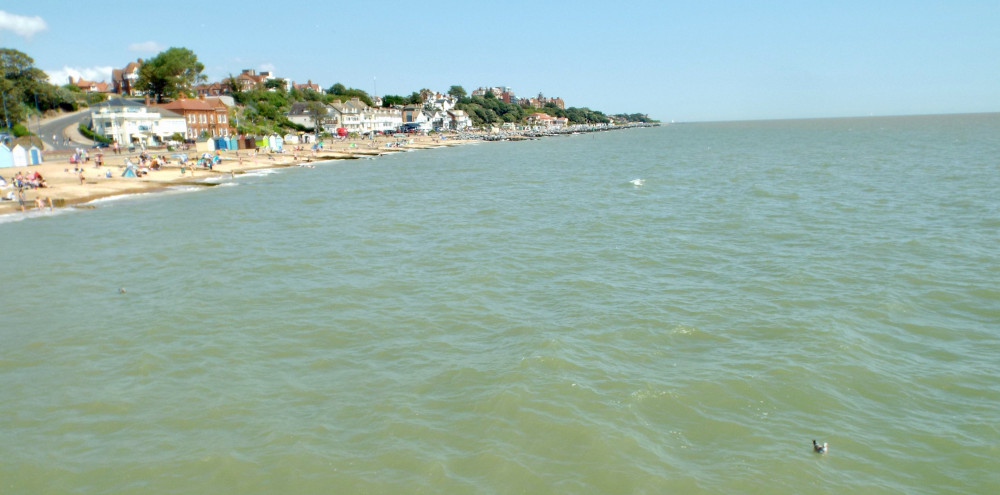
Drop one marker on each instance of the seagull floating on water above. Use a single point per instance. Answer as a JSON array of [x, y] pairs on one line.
[[121, 290], [636, 182], [818, 448]]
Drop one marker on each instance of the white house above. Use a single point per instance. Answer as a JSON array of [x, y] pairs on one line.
[[382, 119], [130, 121], [460, 120], [348, 114]]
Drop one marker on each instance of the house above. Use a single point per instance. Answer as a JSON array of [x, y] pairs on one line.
[[131, 121], [460, 120], [541, 101], [208, 116], [301, 114], [414, 114], [309, 85], [383, 120], [349, 114], [439, 119], [213, 89], [250, 79], [123, 80], [90, 86], [540, 120]]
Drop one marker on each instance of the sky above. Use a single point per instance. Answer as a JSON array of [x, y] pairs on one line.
[[681, 61]]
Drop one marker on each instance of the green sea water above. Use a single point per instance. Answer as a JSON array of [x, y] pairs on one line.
[[680, 309]]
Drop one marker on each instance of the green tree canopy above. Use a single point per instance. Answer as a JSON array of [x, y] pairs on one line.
[[318, 111], [457, 92], [170, 73], [24, 86]]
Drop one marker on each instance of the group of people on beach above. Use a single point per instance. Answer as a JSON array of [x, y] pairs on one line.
[[18, 183]]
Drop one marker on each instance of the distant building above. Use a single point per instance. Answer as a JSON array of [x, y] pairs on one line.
[[208, 115], [91, 86], [132, 122], [123, 80]]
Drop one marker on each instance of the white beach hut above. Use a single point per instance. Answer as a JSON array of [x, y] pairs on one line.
[[20, 156]]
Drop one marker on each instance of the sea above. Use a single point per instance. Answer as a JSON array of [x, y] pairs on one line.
[[678, 309]]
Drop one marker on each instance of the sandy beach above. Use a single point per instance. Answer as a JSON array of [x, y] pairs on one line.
[[65, 188]]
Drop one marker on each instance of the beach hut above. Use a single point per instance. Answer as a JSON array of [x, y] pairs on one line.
[[20, 156], [204, 145], [35, 155], [6, 157], [275, 142], [291, 138], [231, 143]]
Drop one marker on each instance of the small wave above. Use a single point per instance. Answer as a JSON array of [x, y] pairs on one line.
[[33, 213], [125, 197], [637, 182]]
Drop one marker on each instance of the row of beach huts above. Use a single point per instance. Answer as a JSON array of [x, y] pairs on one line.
[[19, 156]]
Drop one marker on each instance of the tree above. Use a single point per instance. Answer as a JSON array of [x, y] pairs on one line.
[[232, 84], [337, 89], [23, 85], [274, 84], [457, 91], [318, 111], [170, 73], [390, 100]]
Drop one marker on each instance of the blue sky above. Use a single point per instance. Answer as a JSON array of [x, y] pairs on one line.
[[683, 61]]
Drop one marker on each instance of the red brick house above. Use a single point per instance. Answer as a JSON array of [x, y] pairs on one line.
[[208, 115]]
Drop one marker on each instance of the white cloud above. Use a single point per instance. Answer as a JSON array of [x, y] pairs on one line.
[[268, 67], [145, 46], [24, 26], [61, 76]]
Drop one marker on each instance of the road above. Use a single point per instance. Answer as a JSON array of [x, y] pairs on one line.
[[64, 127]]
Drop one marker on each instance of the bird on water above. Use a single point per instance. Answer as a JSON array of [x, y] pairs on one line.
[[819, 448]]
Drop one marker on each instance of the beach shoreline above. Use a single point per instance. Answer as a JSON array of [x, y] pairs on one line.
[[64, 187]]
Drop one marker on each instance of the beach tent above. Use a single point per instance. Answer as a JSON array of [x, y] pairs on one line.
[[129, 170], [6, 157], [20, 156], [341, 131], [35, 155]]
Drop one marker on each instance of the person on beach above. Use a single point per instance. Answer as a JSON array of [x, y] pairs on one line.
[[20, 197], [39, 204], [49, 201], [81, 175]]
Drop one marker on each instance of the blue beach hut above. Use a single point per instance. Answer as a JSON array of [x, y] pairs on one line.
[[221, 143], [6, 157], [35, 155]]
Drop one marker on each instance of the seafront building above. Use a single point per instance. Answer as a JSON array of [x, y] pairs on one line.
[[203, 116], [132, 122]]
